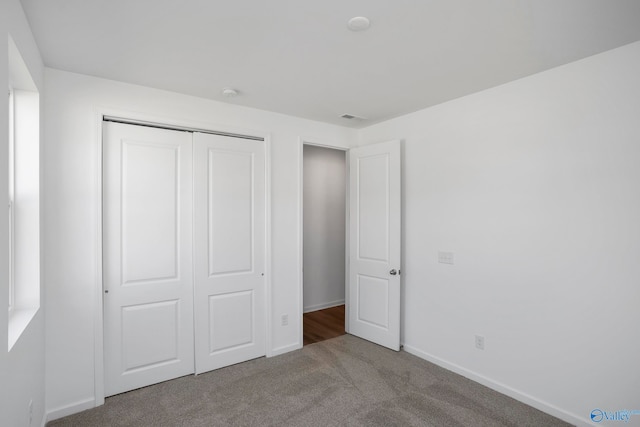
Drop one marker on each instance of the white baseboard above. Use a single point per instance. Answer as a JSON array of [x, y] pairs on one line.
[[322, 306], [71, 409], [284, 349], [501, 388]]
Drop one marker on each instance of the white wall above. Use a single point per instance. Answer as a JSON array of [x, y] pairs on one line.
[[324, 207], [72, 206], [22, 369], [534, 186]]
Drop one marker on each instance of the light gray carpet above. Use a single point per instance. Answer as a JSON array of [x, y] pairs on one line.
[[344, 381]]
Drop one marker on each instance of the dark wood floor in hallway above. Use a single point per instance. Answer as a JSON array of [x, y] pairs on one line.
[[323, 324]]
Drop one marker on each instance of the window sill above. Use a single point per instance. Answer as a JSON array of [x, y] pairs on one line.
[[19, 319]]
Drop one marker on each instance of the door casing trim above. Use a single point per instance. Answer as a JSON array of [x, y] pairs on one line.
[[302, 141]]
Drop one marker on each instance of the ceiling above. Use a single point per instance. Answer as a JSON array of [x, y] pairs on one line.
[[297, 56]]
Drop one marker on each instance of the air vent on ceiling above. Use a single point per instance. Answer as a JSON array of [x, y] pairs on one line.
[[352, 117]]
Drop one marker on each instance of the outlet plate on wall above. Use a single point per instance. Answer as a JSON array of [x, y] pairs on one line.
[[445, 257], [479, 342]]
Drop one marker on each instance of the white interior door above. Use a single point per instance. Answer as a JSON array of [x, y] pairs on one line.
[[374, 241], [230, 295], [147, 237]]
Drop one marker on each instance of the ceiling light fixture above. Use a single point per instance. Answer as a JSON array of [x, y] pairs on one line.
[[352, 117], [358, 23], [229, 92]]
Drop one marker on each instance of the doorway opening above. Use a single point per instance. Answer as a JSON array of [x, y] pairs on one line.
[[324, 242]]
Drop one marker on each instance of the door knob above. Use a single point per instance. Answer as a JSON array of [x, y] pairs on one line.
[[393, 272]]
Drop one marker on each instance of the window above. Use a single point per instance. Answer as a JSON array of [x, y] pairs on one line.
[[11, 200], [23, 170]]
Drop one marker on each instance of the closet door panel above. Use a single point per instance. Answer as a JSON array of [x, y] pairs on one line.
[[147, 266], [230, 294]]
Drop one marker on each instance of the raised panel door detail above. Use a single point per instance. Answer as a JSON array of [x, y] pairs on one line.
[[230, 222], [229, 244], [149, 212], [373, 299], [159, 323], [230, 320], [373, 213], [374, 253], [147, 256]]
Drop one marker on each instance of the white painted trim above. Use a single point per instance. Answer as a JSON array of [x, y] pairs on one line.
[[70, 409], [347, 241], [302, 141], [285, 349], [323, 306], [99, 113], [403, 214], [98, 320], [501, 388], [300, 319], [309, 141], [267, 246]]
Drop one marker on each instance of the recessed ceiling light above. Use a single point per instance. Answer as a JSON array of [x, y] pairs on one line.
[[229, 92], [358, 23]]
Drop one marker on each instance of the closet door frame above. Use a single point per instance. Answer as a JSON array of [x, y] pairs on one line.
[[161, 121]]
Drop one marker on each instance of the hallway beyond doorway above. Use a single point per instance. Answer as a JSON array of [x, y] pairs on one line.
[[321, 325]]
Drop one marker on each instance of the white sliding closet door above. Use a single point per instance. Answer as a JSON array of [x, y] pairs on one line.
[[229, 219], [147, 236]]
